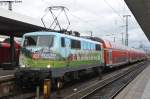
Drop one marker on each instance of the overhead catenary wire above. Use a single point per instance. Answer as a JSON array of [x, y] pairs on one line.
[[122, 4], [113, 9], [135, 23], [85, 21], [78, 17], [118, 1]]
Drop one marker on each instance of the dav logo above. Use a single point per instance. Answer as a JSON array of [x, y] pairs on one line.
[[35, 56]]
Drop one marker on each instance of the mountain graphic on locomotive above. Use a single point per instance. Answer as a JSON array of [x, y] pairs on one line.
[[53, 55]]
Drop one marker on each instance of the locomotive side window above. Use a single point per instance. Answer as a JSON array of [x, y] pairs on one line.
[[98, 47], [78, 44], [93, 46], [89, 46], [75, 44], [83, 45], [63, 42]]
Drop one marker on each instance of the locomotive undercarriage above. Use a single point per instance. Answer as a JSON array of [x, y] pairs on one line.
[[30, 78]]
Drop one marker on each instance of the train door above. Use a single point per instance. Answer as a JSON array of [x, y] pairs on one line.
[[67, 49], [110, 57]]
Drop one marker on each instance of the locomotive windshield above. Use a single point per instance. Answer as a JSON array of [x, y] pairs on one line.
[[42, 40]]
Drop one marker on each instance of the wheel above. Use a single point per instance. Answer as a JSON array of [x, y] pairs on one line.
[[100, 74]]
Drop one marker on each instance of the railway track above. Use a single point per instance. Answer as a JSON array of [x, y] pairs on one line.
[[107, 88], [110, 90], [87, 90], [81, 84], [6, 85], [8, 89]]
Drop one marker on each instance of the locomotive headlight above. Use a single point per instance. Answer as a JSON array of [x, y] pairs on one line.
[[23, 66], [49, 66]]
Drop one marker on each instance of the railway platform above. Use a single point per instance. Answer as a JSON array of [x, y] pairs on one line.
[[139, 88], [6, 72]]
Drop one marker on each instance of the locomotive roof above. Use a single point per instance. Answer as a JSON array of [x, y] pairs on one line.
[[60, 34]]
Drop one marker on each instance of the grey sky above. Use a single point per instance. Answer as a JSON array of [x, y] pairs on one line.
[[103, 17]]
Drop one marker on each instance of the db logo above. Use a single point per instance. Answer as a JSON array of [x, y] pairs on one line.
[[35, 56]]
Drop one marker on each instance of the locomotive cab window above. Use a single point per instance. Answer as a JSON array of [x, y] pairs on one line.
[[63, 42], [98, 47], [75, 44], [42, 40], [45, 40], [30, 41]]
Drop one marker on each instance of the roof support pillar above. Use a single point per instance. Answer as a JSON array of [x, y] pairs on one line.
[[12, 50]]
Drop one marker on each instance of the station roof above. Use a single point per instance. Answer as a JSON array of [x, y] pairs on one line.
[[141, 11], [11, 22]]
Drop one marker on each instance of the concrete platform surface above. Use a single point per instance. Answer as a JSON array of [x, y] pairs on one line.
[[139, 88]]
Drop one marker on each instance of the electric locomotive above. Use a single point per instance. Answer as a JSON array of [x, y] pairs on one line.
[[55, 55]]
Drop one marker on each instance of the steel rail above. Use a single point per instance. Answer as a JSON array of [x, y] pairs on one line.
[[135, 73], [100, 84], [135, 70], [6, 78]]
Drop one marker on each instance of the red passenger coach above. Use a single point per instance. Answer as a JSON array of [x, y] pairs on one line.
[[136, 55], [114, 54], [5, 53]]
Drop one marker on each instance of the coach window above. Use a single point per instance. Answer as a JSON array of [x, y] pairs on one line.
[[98, 47], [63, 42]]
